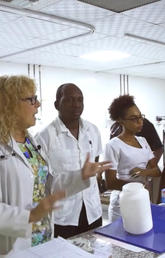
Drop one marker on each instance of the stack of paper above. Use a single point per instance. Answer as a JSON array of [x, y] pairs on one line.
[[56, 248]]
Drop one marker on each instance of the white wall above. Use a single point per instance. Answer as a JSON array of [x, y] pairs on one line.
[[99, 90], [13, 69], [149, 96]]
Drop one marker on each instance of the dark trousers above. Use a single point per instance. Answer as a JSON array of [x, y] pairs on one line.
[[69, 231]]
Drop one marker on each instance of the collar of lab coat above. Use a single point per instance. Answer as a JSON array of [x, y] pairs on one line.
[[61, 128], [13, 146]]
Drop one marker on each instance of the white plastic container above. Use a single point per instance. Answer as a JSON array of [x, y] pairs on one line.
[[135, 208]]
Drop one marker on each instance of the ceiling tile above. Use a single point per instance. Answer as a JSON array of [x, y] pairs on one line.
[[63, 46]]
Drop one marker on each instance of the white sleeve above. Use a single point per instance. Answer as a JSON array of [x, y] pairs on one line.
[[111, 154], [145, 143], [14, 221], [71, 182]]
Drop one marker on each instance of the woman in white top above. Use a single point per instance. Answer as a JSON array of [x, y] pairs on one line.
[[27, 187], [131, 156]]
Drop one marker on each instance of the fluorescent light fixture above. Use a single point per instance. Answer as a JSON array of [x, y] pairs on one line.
[[144, 39], [118, 6], [105, 56]]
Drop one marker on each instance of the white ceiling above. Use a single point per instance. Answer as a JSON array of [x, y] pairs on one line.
[[33, 38]]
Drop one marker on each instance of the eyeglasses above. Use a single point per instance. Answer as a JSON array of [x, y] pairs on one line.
[[33, 100], [135, 119]]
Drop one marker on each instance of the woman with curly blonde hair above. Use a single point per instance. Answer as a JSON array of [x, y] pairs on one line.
[[27, 187], [12, 90]]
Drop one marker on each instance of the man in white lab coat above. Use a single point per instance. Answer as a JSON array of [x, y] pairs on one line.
[[67, 140]]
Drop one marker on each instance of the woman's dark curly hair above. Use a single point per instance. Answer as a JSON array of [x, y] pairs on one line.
[[119, 106]]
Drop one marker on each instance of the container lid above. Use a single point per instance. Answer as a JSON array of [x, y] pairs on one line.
[[132, 187]]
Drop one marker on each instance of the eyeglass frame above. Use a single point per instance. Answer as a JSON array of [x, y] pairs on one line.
[[33, 100], [135, 119]]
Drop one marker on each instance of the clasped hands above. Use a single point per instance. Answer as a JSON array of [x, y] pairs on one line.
[[136, 172]]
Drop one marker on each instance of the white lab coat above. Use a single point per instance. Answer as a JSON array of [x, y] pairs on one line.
[[16, 194]]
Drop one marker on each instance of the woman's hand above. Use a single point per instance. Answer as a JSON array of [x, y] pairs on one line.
[[45, 206], [92, 168], [135, 172], [153, 172]]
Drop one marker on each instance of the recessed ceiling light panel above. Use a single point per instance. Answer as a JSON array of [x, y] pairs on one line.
[[105, 56], [118, 6]]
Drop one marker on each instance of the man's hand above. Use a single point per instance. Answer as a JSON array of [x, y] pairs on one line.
[[92, 168]]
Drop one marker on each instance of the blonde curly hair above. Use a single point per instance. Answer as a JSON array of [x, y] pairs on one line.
[[12, 89]]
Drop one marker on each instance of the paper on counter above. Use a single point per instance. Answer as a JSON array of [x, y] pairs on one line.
[[56, 248]]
